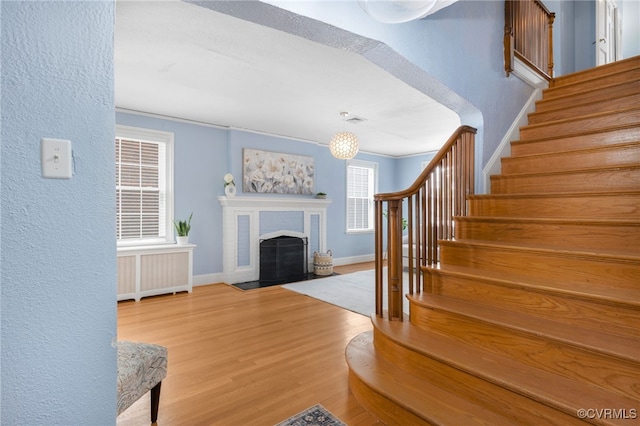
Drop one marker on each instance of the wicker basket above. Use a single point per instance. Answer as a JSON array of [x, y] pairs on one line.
[[323, 263]]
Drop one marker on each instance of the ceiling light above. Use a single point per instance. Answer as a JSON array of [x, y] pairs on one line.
[[397, 11], [344, 145]]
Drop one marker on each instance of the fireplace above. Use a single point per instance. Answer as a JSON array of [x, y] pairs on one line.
[[249, 220], [283, 259]]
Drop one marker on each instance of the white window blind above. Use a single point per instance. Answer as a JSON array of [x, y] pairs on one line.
[[143, 186], [361, 178]]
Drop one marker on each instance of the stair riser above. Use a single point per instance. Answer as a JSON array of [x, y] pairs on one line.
[[549, 265], [556, 235], [382, 387], [582, 86], [616, 375], [600, 71], [623, 206], [615, 318], [630, 117], [571, 111], [610, 156], [588, 181], [386, 409], [481, 392], [571, 143], [584, 100]]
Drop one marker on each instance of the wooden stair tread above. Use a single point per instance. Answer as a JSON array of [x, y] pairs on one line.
[[592, 116], [583, 123], [597, 72], [561, 233], [554, 330], [584, 205], [554, 110], [566, 87], [418, 396], [598, 97], [554, 195], [545, 387], [569, 172], [610, 255], [594, 150], [587, 89], [629, 297], [545, 220], [633, 136]]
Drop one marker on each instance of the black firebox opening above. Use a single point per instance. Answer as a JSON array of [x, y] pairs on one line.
[[283, 260]]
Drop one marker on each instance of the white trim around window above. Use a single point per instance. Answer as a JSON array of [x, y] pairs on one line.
[[361, 185], [144, 179]]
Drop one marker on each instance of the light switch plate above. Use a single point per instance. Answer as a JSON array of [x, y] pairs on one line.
[[56, 158]]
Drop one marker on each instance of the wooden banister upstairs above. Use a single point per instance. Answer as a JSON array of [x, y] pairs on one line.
[[430, 205], [528, 36]]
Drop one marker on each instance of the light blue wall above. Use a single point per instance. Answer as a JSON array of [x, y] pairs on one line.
[[468, 70], [204, 154], [630, 10], [200, 162], [574, 32], [460, 50], [584, 35], [409, 168], [58, 264]]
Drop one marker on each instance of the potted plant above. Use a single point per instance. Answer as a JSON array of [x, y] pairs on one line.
[[182, 229], [321, 195]]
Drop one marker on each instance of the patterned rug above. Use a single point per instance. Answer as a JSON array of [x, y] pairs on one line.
[[314, 416]]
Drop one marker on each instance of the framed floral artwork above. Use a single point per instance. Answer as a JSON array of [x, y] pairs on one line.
[[271, 172]]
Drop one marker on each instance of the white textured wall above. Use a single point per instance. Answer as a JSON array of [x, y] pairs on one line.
[[58, 264]]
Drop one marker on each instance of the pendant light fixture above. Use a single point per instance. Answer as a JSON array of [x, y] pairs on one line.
[[398, 11], [344, 145]]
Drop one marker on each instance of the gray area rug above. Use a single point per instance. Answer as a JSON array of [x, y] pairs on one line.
[[355, 292], [314, 416]]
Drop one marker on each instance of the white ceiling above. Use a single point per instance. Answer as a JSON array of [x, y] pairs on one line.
[[184, 61]]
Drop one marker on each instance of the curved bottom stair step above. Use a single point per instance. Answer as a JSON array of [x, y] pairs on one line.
[[400, 398], [526, 394]]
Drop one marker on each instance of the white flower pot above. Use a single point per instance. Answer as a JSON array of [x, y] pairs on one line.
[[182, 240]]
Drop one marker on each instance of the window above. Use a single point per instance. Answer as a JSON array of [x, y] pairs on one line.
[[144, 186], [361, 185]]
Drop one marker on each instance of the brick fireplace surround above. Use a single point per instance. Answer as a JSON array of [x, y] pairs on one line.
[[247, 220]]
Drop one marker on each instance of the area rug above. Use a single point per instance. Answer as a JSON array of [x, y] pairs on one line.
[[354, 292], [314, 416]]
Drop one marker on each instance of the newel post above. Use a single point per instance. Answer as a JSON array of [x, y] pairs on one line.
[[394, 259]]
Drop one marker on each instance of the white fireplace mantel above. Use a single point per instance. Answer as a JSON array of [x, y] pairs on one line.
[[270, 203], [241, 232]]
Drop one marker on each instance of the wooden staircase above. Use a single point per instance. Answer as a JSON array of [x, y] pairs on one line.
[[532, 315]]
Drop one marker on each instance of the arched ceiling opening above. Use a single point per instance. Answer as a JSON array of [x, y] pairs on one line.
[[253, 66]]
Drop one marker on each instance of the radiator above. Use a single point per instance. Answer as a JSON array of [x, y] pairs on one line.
[[153, 270]]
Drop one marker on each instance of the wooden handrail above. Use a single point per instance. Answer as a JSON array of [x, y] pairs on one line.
[[430, 205], [528, 36]]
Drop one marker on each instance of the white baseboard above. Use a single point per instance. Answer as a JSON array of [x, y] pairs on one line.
[[353, 259], [494, 165], [207, 279]]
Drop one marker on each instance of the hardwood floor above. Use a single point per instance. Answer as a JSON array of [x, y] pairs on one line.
[[251, 357]]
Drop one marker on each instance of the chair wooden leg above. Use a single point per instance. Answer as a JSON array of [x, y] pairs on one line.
[[155, 402]]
